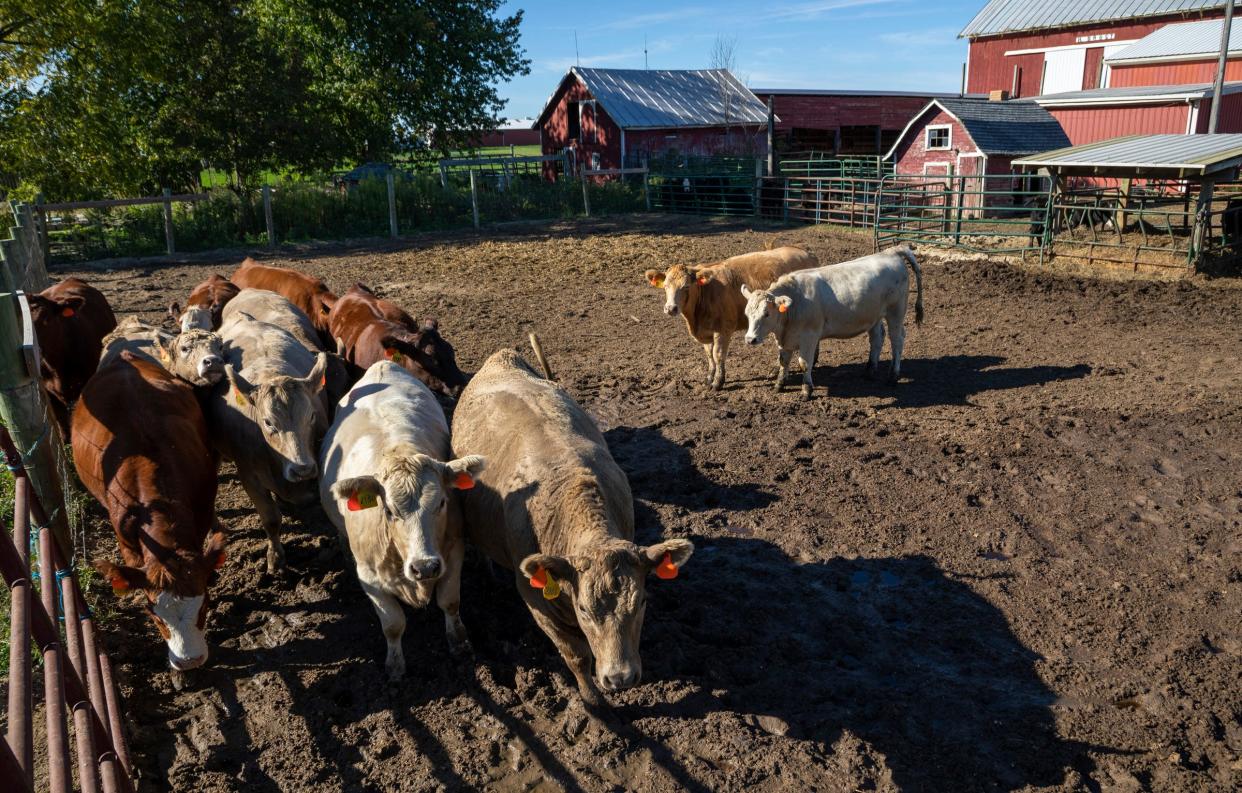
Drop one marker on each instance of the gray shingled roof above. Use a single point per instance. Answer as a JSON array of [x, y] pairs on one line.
[[654, 99], [1015, 127], [1188, 154], [1009, 16], [1181, 41]]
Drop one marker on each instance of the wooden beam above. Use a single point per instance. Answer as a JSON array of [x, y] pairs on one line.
[[122, 202]]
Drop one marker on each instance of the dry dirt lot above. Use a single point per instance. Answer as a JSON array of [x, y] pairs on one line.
[[1020, 569]]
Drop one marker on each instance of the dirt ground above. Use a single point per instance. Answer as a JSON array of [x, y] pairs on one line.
[[1019, 569]]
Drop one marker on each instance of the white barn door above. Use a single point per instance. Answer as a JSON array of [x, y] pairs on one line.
[[1063, 70]]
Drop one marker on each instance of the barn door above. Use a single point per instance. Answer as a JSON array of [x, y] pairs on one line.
[[970, 182], [1063, 70], [589, 129]]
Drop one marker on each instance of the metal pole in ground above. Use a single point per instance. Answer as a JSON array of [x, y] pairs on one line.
[[647, 185], [474, 196], [267, 216], [1219, 85], [758, 183], [168, 222], [392, 205], [586, 196], [20, 735], [59, 774]]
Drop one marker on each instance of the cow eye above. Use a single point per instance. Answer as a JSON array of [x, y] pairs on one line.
[[443, 503], [268, 425]]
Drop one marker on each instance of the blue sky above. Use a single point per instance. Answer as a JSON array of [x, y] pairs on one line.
[[851, 44]]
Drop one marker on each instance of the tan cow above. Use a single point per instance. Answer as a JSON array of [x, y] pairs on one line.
[[709, 297], [196, 356], [552, 505]]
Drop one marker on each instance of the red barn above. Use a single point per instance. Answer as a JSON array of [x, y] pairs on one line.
[[841, 122], [1103, 113], [615, 116], [1183, 54], [1030, 48]]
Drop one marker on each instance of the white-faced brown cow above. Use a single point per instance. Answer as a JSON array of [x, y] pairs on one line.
[[554, 507], [837, 302], [709, 297], [196, 356], [389, 487]]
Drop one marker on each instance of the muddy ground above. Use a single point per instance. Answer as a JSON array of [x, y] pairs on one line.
[[1020, 569]]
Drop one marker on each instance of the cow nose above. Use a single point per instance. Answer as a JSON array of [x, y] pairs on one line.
[[670, 310], [210, 363], [620, 678], [423, 569], [299, 472], [751, 339], [184, 664]]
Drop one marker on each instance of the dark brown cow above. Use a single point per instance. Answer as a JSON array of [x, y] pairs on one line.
[[141, 448], [364, 332], [70, 320], [306, 292], [210, 297]]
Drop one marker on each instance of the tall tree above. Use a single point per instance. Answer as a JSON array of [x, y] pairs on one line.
[[119, 96]]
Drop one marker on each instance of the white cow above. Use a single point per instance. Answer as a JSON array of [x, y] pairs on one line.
[[837, 302], [388, 489]]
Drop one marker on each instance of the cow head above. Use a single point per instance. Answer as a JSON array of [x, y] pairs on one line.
[[194, 317], [608, 590], [678, 284], [177, 600], [427, 356], [287, 411], [55, 321], [764, 313], [196, 356], [411, 494]]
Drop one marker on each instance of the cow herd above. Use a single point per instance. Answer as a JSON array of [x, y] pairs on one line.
[[342, 400]]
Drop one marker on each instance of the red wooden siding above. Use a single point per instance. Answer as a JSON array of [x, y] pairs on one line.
[[511, 137], [1230, 119], [830, 111], [1089, 124], [555, 128], [1091, 68], [1183, 73]]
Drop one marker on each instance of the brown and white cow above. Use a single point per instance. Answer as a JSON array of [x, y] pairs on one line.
[[205, 304], [365, 333], [70, 321], [140, 446], [308, 293], [553, 506], [196, 356], [709, 297]]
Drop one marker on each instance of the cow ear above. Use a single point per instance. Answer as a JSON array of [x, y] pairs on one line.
[[782, 303], [462, 472], [678, 551], [122, 579], [358, 492], [316, 379], [746, 293], [654, 277], [70, 306], [431, 323], [174, 311], [558, 566], [242, 389], [215, 555], [163, 349]]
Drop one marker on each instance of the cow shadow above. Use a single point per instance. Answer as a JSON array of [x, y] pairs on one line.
[[891, 650], [661, 470], [929, 382]]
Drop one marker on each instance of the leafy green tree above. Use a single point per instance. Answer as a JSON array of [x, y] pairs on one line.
[[123, 96]]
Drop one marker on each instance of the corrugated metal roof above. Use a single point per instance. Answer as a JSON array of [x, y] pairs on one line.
[[1197, 154], [1181, 41], [1010, 16], [654, 99], [1137, 94], [846, 92]]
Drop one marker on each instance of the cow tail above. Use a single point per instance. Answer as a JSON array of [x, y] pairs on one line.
[[543, 362], [908, 255]]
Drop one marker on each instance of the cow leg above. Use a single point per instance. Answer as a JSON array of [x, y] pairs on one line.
[[711, 362], [876, 335], [392, 622], [897, 339], [720, 346], [269, 513], [577, 655], [448, 598], [809, 350], [782, 368]]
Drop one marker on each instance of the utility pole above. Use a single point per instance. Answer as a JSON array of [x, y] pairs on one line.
[[1219, 88]]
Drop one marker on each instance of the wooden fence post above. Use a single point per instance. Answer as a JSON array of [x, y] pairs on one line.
[[43, 235], [169, 243], [586, 195], [392, 206], [474, 196], [267, 216]]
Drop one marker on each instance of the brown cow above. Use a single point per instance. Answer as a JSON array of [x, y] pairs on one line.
[[203, 307], [70, 321], [365, 332], [304, 291], [552, 505], [709, 297], [140, 446]]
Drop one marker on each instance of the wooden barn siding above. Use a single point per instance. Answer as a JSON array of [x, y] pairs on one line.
[[990, 69], [830, 112], [511, 137], [1230, 115], [1184, 73], [749, 141], [1091, 69], [1089, 124], [912, 154], [555, 129]]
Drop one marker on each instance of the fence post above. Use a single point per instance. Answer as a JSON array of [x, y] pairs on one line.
[[392, 205], [267, 216], [21, 703], [647, 184], [43, 235], [758, 184], [168, 222], [586, 195], [474, 196]]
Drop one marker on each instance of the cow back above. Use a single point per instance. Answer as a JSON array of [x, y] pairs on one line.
[[311, 295], [70, 321], [213, 295]]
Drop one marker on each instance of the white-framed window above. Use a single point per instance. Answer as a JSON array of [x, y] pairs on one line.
[[938, 137]]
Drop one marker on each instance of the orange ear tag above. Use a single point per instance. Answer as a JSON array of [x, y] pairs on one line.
[[702, 281], [323, 381], [220, 560], [657, 280], [463, 481], [551, 589], [540, 579], [666, 569], [67, 312], [238, 398], [782, 308], [361, 499], [119, 585], [394, 355]]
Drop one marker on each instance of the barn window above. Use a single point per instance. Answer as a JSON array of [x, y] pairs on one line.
[[590, 130], [939, 136], [575, 125]]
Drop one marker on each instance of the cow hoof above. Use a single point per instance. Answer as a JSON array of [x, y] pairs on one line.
[[395, 668], [806, 392], [869, 373], [717, 386]]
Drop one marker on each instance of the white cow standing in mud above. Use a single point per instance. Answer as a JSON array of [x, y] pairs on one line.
[[838, 301]]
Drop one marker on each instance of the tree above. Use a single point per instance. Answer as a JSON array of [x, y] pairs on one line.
[[724, 56], [123, 96]]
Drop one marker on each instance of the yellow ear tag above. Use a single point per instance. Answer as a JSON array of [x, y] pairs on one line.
[[551, 589], [394, 355], [657, 280], [238, 398]]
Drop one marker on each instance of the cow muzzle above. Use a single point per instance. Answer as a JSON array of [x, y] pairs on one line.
[[300, 472], [211, 368], [752, 339], [427, 569], [619, 676], [186, 664], [670, 309]]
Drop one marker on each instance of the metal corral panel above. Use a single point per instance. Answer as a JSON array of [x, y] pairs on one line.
[[654, 99], [1194, 154], [1181, 41], [1011, 16]]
